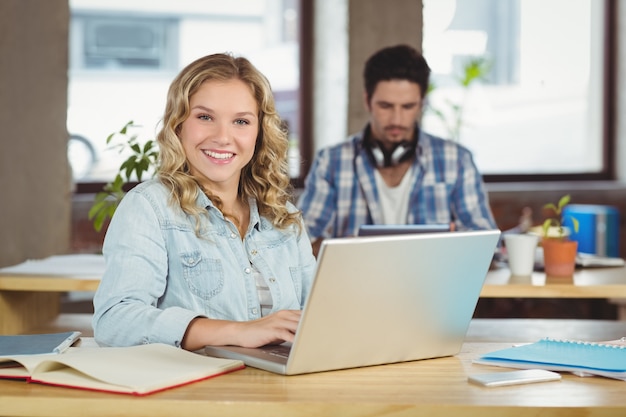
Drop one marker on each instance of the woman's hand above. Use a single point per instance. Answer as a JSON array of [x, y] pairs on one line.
[[276, 328]]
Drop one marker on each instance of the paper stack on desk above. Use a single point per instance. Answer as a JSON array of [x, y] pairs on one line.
[[588, 260], [82, 265]]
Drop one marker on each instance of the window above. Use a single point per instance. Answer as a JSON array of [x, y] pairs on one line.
[[124, 55], [540, 110], [114, 43]]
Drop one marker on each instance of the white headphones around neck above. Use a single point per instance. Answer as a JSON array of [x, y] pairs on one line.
[[383, 158]]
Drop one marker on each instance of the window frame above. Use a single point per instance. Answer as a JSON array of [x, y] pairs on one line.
[[609, 102], [306, 145]]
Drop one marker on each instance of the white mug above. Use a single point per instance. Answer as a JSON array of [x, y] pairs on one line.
[[521, 249]]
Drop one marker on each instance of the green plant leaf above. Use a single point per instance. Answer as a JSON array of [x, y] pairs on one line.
[[141, 160], [564, 201], [575, 224], [551, 206], [148, 146], [546, 226], [452, 118]]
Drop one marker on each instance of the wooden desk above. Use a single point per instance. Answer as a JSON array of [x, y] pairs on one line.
[[27, 301], [586, 283], [436, 387], [30, 292]]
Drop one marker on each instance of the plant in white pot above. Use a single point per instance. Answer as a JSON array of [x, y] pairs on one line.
[[559, 251]]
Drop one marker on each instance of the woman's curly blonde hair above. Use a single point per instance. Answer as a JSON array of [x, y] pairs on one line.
[[265, 177]]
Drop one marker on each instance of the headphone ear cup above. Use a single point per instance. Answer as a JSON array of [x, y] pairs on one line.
[[398, 153], [378, 155], [384, 159]]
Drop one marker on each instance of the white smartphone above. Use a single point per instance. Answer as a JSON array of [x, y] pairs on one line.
[[525, 376]]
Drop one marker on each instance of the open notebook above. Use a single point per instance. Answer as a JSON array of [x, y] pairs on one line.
[[384, 299], [137, 370]]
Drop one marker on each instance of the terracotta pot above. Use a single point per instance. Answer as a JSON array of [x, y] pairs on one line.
[[559, 256]]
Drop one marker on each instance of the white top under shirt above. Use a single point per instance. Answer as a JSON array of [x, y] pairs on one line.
[[394, 201], [265, 296]]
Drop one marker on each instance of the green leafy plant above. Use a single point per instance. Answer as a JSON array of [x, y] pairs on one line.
[[142, 160], [558, 218], [452, 116]]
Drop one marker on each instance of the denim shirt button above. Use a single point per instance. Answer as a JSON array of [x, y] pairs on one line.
[[253, 252], [272, 280], [255, 311], [247, 270], [233, 235]]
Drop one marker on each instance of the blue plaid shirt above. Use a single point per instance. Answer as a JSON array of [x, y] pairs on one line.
[[340, 192]]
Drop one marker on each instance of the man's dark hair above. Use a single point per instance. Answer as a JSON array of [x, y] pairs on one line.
[[400, 62]]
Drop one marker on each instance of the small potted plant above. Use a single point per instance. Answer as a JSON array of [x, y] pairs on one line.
[[559, 252], [142, 160]]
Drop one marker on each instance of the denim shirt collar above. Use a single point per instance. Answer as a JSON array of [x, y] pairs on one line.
[[256, 221]]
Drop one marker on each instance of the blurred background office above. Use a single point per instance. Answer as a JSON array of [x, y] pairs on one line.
[[540, 114]]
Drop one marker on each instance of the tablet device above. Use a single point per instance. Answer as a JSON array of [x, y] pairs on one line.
[[401, 229]]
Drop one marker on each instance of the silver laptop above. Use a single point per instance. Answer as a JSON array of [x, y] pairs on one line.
[[382, 299]]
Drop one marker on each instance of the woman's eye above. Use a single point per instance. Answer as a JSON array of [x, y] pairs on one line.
[[241, 122], [204, 117]]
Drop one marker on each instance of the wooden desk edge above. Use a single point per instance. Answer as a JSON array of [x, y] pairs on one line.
[[103, 407], [47, 283], [206, 399], [553, 291]]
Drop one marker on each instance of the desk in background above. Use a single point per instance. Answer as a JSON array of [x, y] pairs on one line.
[[586, 283], [30, 292], [29, 300], [436, 387]]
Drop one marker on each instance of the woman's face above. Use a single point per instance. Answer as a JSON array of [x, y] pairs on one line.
[[220, 133]]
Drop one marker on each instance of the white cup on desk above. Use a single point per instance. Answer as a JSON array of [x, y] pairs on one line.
[[520, 249]]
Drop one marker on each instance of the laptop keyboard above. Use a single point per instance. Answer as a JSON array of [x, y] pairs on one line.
[[281, 351]]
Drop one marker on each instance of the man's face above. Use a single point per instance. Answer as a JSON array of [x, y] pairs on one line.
[[394, 107]]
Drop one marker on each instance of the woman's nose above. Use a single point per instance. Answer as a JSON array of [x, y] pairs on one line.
[[221, 134]]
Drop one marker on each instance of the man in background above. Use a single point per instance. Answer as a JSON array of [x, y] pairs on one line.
[[392, 172]]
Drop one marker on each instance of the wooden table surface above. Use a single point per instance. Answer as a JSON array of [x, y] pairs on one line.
[[47, 283], [435, 387], [586, 283], [29, 300]]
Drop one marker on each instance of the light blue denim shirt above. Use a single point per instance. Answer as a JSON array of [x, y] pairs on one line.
[[159, 275]]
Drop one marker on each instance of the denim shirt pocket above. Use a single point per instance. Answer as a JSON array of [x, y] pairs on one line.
[[205, 277]]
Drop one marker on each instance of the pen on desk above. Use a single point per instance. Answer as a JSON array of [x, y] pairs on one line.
[[67, 343]]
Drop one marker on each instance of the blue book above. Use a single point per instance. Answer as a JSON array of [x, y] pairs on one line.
[[34, 344], [606, 359]]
